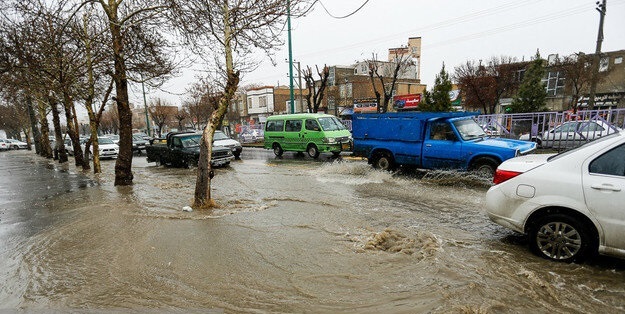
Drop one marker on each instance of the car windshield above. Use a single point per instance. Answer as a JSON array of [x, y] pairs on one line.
[[593, 142], [220, 136], [105, 140], [331, 124], [469, 129], [191, 141]]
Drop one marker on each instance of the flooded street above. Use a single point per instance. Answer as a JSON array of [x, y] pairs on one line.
[[290, 235]]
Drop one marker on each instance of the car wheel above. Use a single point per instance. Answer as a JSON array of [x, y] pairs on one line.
[[277, 149], [237, 155], [16, 147], [562, 238], [158, 161], [384, 161], [485, 167], [312, 151]]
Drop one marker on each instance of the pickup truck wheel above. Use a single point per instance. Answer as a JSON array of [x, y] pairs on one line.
[[485, 167], [384, 161], [312, 151], [277, 149], [159, 162]]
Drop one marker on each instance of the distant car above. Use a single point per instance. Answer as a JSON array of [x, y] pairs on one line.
[[69, 148], [571, 133], [114, 138], [15, 144], [4, 144], [570, 205], [106, 148], [221, 139], [138, 143]]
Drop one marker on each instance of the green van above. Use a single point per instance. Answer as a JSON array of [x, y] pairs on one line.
[[313, 133]]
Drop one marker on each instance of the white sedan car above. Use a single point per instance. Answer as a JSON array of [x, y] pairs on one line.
[[572, 133], [106, 148], [570, 204]]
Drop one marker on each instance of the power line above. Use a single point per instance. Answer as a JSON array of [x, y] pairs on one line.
[[345, 16], [450, 22]]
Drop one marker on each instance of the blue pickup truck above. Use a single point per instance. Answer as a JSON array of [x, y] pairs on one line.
[[431, 140]]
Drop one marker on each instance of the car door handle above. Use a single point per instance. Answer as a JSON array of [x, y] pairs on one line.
[[604, 186], [428, 145]]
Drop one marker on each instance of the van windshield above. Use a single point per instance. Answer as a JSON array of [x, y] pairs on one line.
[[331, 124]]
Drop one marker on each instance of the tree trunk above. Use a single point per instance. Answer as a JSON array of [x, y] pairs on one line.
[[33, 126], [72, 130], [46, 148], [123, 165]]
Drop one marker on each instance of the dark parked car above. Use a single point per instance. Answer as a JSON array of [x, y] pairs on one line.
[[182, 149]]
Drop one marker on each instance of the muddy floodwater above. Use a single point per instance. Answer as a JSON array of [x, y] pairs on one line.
[[291, 235]]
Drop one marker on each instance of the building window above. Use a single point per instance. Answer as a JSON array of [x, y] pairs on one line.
[[262, 101], [555, 83], [249, 102], [519, 75], [618, 60], [603, 64]]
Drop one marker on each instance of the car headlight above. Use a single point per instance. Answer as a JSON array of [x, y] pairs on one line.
[[329, 140]]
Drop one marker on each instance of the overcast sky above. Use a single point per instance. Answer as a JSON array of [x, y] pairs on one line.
[[452, 31]]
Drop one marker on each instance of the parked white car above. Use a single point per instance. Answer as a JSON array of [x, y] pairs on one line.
[[572, 133], [221, 139], [570, 204], [16, 144], [106, 148], [4, 144]]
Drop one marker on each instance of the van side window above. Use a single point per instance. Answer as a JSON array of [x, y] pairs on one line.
[[312, 125], [276, 125], [293, 125], [610, 163]]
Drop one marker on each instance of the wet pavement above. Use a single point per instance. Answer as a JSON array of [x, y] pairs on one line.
[[290, 235]]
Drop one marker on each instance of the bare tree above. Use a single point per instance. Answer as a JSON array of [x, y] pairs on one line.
[[380, 73], [483, 85], [231, 31], [577, 69], [161, 113], [315, 91], [141, 21], [181, 116]]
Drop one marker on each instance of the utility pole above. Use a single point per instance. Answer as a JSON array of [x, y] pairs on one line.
[[288, 18], [601, 8], [299, 77], [145, 106]]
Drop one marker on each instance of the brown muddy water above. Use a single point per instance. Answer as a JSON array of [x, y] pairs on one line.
[[291, 235]]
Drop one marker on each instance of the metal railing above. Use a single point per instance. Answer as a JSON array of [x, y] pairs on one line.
[[557, 130]]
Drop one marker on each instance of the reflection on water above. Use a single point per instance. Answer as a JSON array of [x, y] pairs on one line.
[[290, 235]]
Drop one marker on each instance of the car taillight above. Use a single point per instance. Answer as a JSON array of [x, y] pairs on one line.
[[504, 175]]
